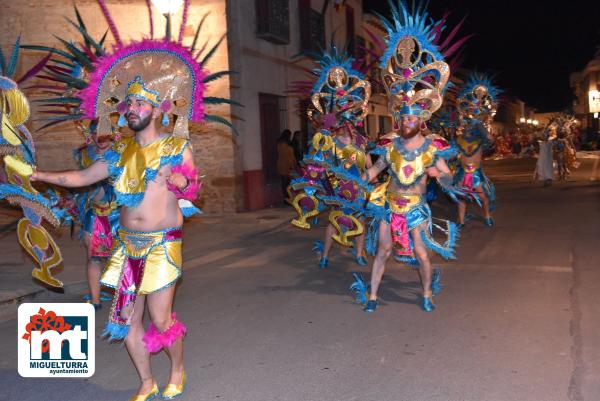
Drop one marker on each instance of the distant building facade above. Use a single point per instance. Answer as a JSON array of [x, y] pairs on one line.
[[586, 88]]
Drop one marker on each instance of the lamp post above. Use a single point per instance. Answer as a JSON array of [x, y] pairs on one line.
[[167, 8]]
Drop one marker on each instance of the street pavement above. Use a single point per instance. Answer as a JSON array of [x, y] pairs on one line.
[[516, 320]]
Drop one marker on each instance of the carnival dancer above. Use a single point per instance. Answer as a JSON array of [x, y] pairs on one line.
[[154, 180], [98, 214], [564, 148], [17, 162], [414, 75], [544, 169], [148, 249], [477, 103], [331, 170]]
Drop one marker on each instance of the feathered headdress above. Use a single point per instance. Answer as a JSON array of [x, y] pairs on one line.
[[341, 93], [413, 70], [478, 98], [164, 72]]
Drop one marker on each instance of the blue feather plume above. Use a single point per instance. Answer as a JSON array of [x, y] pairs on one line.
[[483, 79], [359, 289], [416, 23], [12, 64], [318, 247], [115, 332]]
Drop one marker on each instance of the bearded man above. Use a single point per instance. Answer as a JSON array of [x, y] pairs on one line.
[[147, 253]]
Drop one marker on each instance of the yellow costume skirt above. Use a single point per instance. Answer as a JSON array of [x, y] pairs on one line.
[[141, 263], [160, 251]]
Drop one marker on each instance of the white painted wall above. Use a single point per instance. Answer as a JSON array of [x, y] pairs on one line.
[[265, 67]]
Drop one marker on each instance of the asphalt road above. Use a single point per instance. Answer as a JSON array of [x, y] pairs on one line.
[[517, 319]]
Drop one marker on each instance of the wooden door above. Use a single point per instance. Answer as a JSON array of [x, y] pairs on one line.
[[270, 130]]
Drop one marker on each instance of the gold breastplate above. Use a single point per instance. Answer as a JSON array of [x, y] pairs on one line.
[[132, 165], [408, 169]]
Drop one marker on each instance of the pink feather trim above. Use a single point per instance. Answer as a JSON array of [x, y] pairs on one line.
[[174, 333], [152, 339], [105, 64], [155, 340], [191, 191]]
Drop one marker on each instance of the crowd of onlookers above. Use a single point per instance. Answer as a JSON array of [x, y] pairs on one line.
[[525, 143]]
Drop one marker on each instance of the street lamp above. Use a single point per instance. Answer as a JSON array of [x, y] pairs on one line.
[[522, 120], [535, 122], [167, 8], [529, 121]]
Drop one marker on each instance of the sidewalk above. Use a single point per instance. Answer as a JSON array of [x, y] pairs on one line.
[[204, 237]]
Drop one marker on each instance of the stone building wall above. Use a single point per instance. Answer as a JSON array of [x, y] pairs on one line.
[[215, 146]]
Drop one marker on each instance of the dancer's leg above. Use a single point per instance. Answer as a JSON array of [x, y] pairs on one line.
[[160, 305], [384, 251], [135, 345]]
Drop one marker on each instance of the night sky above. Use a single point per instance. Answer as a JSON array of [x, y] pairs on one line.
[[533, 46]]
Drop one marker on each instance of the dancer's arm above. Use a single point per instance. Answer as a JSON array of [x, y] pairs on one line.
[[74, 178], [373, 171], [178, 179]]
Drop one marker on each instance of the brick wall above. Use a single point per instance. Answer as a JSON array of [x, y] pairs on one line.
[[215, 147]]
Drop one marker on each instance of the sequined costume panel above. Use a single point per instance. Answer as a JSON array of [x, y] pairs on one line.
[[473, 139], [160, 251], [408, 167], [132, 166], [472, 177], [468, 146], [411, 212]]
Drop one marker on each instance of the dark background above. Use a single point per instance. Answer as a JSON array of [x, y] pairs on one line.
[[533, 46]]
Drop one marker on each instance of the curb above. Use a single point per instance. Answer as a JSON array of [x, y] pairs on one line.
[[9, 306]]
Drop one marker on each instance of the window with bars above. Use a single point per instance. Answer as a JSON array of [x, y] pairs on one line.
[[312, 28], [273, 21]]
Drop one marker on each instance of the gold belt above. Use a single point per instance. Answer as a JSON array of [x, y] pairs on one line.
[[403, 203]]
